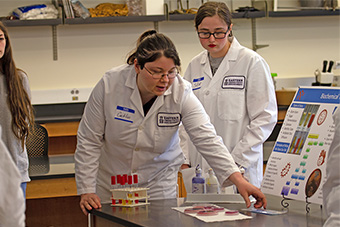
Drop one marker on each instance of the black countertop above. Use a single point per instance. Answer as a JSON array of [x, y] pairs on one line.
[[159, 213]]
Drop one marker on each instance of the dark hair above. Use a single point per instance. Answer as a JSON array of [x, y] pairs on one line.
[[152, 45], [210, 9], [18, 100]]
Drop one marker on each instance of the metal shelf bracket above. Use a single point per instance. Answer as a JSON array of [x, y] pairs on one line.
[[54, 42]]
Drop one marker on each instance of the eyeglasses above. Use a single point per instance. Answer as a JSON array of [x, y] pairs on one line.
[[158, 75], [217, 35]]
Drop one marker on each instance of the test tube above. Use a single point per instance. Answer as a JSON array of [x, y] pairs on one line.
[[135, 180], [297, 144], [130, 181], [307, 118], [312, 117], [122, 182], [113, 182], [113, 185], [303, 115], [292, 145], [118, 179], [125, 178]]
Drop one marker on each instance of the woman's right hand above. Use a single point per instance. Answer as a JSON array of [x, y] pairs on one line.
[[89, 201]]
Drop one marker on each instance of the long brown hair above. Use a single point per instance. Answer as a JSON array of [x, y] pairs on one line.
[[18, 100]]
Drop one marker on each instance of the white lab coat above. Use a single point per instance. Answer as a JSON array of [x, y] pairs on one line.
[[240, 100], [114, 137], [12, 202], [331, 187]]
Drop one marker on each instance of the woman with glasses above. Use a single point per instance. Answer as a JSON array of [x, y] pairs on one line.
[[234, 85], [130, 126]]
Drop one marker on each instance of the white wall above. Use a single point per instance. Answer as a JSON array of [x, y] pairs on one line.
[[297, 46]]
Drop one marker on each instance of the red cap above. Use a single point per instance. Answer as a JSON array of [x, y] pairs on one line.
[[129, 179], [135, 178], [122, 181], [118, 179], [113, 180]]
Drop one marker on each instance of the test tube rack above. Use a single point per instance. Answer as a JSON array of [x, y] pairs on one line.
[[129, 197]]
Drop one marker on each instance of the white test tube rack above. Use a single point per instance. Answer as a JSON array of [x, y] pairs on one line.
[[129, 197]]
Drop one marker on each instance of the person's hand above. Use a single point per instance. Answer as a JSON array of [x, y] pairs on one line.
[[89, 201], [246, 189], [185, 166]]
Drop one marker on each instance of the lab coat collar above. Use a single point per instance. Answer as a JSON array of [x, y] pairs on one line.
[[205, 64], [231, 55], [233, 51], [131, 82]]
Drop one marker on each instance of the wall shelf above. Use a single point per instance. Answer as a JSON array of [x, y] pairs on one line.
[[159, 18], [305, 13], [41, 22], [120, 19], [172, 17]]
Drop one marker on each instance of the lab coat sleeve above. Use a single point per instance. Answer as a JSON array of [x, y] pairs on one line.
[[12, 202], [203, 135], [184, 137], [262, 111], [184, 143], [90, 141], [331, 188]]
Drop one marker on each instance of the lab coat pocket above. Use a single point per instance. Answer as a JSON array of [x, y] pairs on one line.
[[231, 104], [165, 138]]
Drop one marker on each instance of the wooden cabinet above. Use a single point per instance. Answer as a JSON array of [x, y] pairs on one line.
[[62, 137]]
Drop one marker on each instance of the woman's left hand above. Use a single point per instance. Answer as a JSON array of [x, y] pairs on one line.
[[246, 189]]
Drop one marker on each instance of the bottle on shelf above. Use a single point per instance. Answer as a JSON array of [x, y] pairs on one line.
[[198, 182], [212, 185]]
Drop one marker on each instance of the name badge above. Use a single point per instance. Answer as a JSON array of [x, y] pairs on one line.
[[168, 119], [233, 82], [124, 114], [197, 83]]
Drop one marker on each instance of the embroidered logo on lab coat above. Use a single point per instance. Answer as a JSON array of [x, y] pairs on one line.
[[197, 83], [168, 119], [233, 82], [124, 114]]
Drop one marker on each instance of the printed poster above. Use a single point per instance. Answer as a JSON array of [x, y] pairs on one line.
[[297, 165]]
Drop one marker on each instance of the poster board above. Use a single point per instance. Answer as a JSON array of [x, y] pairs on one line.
[[296, 168]]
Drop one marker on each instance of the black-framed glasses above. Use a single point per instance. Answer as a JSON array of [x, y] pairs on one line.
[[217, 35], [158, 75]]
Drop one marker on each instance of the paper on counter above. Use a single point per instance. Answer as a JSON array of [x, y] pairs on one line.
[[215, 218]]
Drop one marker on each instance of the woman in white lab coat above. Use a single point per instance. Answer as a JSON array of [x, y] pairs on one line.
[[130, 125], [331, 187], [234, 85]]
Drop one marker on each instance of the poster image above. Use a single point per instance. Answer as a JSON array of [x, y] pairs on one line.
[[296, 167]]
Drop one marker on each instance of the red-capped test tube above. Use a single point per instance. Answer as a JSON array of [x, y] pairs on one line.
[[135, 183], [113, 182], [135, 180], [118, 180], [113, 185], [125, 176], [130, 181], [122, 182]]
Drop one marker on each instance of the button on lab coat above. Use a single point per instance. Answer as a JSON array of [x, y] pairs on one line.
[[114, 136], [240, 100]]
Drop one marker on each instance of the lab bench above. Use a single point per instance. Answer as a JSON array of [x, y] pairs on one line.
[[160, 213]]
